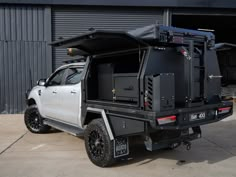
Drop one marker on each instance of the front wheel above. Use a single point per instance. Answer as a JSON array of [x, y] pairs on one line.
[[33, 120], [98, 145]]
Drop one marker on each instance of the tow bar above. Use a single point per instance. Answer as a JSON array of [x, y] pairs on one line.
[[188, 145]]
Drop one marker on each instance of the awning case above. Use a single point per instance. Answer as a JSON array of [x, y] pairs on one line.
[[159, 34], [99, 42]]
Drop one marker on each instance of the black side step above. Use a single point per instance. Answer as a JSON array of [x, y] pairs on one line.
[[64, 127]]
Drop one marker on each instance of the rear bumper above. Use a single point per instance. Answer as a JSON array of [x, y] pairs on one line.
[[183, 120], [168, 143]]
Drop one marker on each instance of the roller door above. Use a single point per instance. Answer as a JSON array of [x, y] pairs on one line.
[[68, 22]]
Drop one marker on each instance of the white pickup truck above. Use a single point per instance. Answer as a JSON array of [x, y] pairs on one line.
[[157, 83]]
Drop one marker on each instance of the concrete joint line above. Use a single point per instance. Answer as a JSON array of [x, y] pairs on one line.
[[8, 147]]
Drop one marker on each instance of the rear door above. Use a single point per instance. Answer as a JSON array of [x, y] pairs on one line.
[[194, 73], [70, 103]]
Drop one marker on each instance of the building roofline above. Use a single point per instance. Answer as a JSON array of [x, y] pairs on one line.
[[137, 3]]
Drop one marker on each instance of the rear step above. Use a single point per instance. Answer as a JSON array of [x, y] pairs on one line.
[[64, 127]]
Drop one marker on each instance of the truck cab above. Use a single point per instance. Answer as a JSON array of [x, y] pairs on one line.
[[64, 84], [158, 83]]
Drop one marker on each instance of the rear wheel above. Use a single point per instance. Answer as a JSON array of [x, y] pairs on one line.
[[33, 120], [98, 145]]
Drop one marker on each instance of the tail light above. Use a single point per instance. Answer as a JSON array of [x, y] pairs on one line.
[[166, 120], [224, 110]]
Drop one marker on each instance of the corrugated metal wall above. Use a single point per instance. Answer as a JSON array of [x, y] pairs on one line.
[[71, 21], [24, 35]]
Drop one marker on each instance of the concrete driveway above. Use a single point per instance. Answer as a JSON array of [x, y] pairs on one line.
[[58, 154]]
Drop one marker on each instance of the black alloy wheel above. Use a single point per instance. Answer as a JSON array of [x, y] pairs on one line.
[[99, 147], [33, 120], [96, 144]]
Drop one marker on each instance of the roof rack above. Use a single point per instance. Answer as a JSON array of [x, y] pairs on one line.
[[76, 60], [223, 46]]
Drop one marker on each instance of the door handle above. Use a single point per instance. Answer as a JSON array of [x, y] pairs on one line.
[[54, 92], [73, 92]]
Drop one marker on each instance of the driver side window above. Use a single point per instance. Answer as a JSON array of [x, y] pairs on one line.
[[73, 76], [57, 78]]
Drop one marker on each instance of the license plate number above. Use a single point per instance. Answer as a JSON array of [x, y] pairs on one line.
[[197, 116], [121, 147]]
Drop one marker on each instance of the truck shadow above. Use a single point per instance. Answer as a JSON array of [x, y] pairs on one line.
[[217, 144], [53, 130]]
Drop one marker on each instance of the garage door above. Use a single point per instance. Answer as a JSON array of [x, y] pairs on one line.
[[224, 31], [68, 22]]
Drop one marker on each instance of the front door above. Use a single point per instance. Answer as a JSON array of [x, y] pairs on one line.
[[51, 95]]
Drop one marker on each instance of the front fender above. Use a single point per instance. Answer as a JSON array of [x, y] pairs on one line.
[[35, 95]]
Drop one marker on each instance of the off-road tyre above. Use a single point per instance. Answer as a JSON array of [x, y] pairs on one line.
[[33, 120], [99, 147]]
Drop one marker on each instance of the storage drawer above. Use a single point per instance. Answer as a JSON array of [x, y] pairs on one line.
[[126, 86]]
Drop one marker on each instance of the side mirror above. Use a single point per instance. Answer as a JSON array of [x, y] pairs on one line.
[[41, 82]]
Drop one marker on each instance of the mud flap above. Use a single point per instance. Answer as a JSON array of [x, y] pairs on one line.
[[121, 147]]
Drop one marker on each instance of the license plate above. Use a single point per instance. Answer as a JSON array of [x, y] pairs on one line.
[[197, 116], [121, 147]]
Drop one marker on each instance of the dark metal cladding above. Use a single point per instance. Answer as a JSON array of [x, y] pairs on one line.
[[25, 55]]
